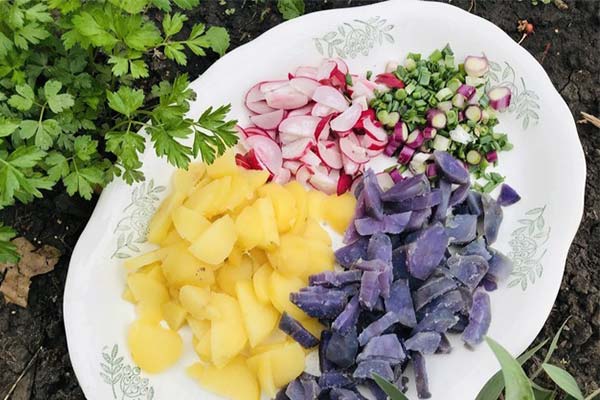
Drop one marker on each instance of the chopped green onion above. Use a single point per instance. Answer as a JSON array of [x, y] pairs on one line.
[[473, 157], [444, 94]]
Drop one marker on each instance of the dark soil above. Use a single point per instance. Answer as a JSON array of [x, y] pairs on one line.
[[566, 42]]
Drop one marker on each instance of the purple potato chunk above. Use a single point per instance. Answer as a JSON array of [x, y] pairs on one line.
[[375, 390], [380, 248], [461, 228], [281, 395], [400, 303], [372, 196], [445, 346], [311, 387], [346, 256], [508, 196], [372, 265], [322, 304], [406, 189], [369, 289], [452, 169], [424, 254], [469, 270], [459, 195], [452, 301], [295, 390], [399, 267], [347, 318], [480, 319], [423, 342], [385, 278], [342, 348], [384, 347], [461, 324], [396, 223], [500, 267], [335, 279], [418, 219], [421, 378], [488, 285], [474, 203], [368, 226], [344, 394], [434, 287], [366, 369], [351, 289], [296, 331], [477, 247], [427, 200], [442, 208], [331, 380], [440, 321], [324, 364], [378, 327], [492, 218]]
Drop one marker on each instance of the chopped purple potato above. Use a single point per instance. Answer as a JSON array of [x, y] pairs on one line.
[[488, 285], [434, 287], [321, 304], [344, 394], [281, 395], [423, 342], [331, 380], [440, 321], [371, 265], [425, 253], [476, 247], [461, 228], [508, 196], [442, 207], [296, 331], [474, 203], [372, 196], [480, 319], [369, 289], [386, 277], [295, 390], [452, 169], [384, 347], [418, 219], [408, 188], [425, 201], [346, 256], [365, 369], [396, 223], [380, 248], [460, 325], [375, 390], [469, 270], [400, 303], [324, 364], [310, 385], [347, 318], [500, 267], [445, 346], [335, 279], [342, 348], [378, 327], [492, 218], [421, 378], [399, 267], [459, 195], [452, 301]]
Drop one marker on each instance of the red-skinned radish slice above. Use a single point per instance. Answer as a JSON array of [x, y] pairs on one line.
[[344, 133], [367, 114], [286, 97], [499, 98], [323, 128], [303, 125], [346, 120], [306, 71], [301, 111], [338, 79], [329, 152], [268, 121], [303, 174], [362, 100], [296, 149], [320, 110], [254, 94], [330, 97], [476, 66], [359, 89], [341, 64], [267, 152], [269, 86], [240, 160], [384, 180], [293, 166], [285, 138], [259, 107], [311, 159], [282, 177], [376, 132], [374, 153], [241, 132], [306, 86], [391, 66], [325, 181], [254, 130], [344, 183], [353, 151], [369, 143], [390, 80], [350, 167], [325, 69]]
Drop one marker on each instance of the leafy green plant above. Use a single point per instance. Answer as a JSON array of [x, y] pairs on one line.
[[290, 8], [73, 98]]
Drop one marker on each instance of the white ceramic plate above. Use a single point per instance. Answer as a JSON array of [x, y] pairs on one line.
[[546, 166]]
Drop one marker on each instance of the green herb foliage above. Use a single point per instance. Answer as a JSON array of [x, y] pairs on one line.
[[390, 389], [290, 8], [71, 96]]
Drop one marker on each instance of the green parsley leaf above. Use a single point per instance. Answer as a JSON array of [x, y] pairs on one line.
[[57, 102], [85, 25], [126, 100], [186, 4], [120, 65], [173, 24], [85, 147], [58, 165], [174, 51], [131, 6], [24, 100], [82, 181], [218, 39], [7, 127], [166, 143], [8, 251], [290, 8], [214, 134], [143, 37], [139, 69]]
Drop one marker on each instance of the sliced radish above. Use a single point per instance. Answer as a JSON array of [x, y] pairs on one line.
[[282, 177], [259, 107], [360, 89], [346, 120], [337, 79], [303, 174], [285, 138], [254, 130], [307, 72], [350, 167], [329, 152], [270, 86], [325, 69], [292, 165], [323, 128], [286, 97], [369, 143], [267, 152], [240, 160], [390, 80], [356, 183], [254, 94], [330, 97], [384, 180], [341, 64], [269, 120], [376, 132], [344, 133], [325, 181], [306, 86], [320, 110], [344, 183], [366, 114], [241, 132], [311, 159], [353, 151], [302, 125], [296, 149], [374, 152], [362, 100], [302, 110]]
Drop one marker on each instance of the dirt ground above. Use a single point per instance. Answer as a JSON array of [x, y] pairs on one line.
[[566, 42]]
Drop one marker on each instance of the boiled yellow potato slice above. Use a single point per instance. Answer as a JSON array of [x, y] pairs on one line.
[[230, 274], [249, 228], [223, 166], [199, 327], [269, 223], [161, 222], [261, 366], [209, 200], [260, 281], [316, 201], [184, 181], [284, 205], [189, 223], [287, 362], [259, 319], [135, 263], [147, 290], [153, 348], [180, 268], [174, 314], [234, 381], [228, 334], [301, 197], [202, 347], [255, 178], [339, 210], [194, 300], [216, 242], [315, 231], [280, 288]]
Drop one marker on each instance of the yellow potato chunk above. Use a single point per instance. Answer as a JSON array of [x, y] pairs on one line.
[[339, 210], [147, 290], [161, 222], [230, 274], [249, 228], [255, 178], [260, 281], [174, 314], [228, 334], [151, 313], [261, 366], [269, 223], [199, 327], [284, 205], [280, 288], [287, 362], [202, 347], [316, 201], [155, 272], [223, 166], [293, 257], [240, 194], [135, 263], [209, 200], [172, 238], [128, 296], [260, 319], [234, 381], [215, 243], [153, 348], [184, 181], [189, 223], [259, 257], [180, 268], [321, 258], [194, 300], [315, 231], [301, 197]]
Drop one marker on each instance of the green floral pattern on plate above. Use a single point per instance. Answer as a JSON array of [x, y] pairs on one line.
[[354, 38], [126, 381], [524, 102], [527, 248], [133, 227]]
